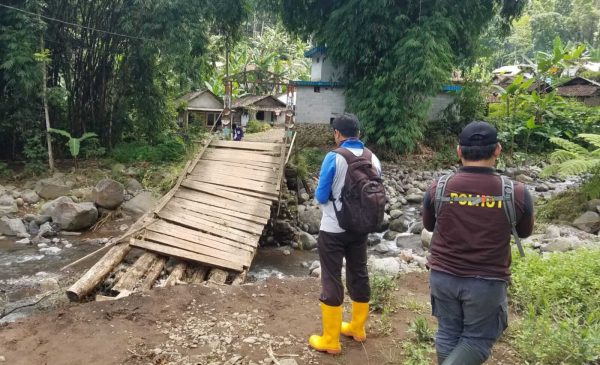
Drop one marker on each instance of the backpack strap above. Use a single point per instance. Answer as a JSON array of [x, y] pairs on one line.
[[508, 194], [440, 190], [351, 157]]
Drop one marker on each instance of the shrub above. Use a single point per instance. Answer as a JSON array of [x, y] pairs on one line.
[[254, 126], [559, 299], [4, 170], [170, 149], [308, 161], [382, 292]]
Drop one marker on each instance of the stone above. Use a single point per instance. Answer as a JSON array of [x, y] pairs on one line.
[[315, 264], [396, 213], [20, 202], [390, 235], [426, 237], [133, 186], [8, 205], [316, 273], [542, 188], [558, 245], [373, 239], [139, 204], [30, 196], [522, 178], [588, 222], [312, 218], [123, 227], [84, 194], [118, 169], [69, 215], [307, 241], [41, 219], [303, 197], [33, 228], [398, 225], [552, 232], [593, 205], [416, 228], [53, 188], [388, 266], [382, 248], [24, 241], [13, 227], [412, 242], [51, 250], [415, 198], [108, 193]]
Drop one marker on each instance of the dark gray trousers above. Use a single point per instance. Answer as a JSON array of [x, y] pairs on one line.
[[333, 247]]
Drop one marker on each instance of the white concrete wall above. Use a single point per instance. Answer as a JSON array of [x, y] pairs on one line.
[[315, 69], [312, 107]]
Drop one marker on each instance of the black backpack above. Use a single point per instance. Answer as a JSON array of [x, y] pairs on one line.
[[363, 195], [507, 197]]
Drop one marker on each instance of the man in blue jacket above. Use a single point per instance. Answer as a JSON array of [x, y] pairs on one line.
[[335, 244]]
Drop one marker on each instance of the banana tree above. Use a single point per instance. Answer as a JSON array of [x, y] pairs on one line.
[[73, 143]]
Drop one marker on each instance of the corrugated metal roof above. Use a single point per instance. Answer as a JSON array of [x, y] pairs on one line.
[[313, 51], [318, 83]]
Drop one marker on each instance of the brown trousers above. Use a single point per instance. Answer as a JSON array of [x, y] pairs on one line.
[[333, 247]]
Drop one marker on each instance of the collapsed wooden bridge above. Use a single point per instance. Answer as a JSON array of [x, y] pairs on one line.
[[206, 228]]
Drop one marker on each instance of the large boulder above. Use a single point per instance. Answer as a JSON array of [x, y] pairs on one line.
[[588, 222], [307, 241], [415, 198], [13, 227], [70, 216], [398, 225], [30, 196], [412, 242], [311, 217], [139, 204], [108, 193], [8, 205], [426, 237], [53, 188], [133, 186], [387, 266]]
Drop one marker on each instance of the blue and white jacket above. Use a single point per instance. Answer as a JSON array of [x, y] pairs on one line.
[[331, 182]]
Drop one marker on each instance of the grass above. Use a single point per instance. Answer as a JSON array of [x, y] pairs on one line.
[[564, 207], [308, 161], [558, 297]]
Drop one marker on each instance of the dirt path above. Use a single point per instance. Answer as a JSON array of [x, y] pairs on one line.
[[211, 325]]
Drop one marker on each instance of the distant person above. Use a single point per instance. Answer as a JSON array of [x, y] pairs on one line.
[[472, 214], [343, 233], [245, 118], [238, 133]]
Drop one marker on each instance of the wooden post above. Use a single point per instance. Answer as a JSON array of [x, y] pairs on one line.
[[98, 272], [176, 274], [134, 274], [153, 273]]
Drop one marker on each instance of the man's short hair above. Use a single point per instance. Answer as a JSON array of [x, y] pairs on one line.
[[478, 153], [347, 124]]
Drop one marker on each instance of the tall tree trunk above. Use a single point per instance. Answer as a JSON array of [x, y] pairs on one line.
[[46, 114]]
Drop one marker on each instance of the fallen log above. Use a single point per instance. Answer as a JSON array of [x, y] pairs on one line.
[[128, 282], [197, 274], [98, 272], [176, 274], [217, 276], [153, 273]]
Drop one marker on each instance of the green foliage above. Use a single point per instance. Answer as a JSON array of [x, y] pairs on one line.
[[4, 169], [564, 207], [559, 299], [254, 126], [416, 353], [169, 150], [382, 292], [73, 143], [36, 155], [396, 55], [308, 161], [420, 328], [573, 159]]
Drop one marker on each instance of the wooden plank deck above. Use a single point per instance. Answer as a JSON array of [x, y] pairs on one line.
[[211, 220]]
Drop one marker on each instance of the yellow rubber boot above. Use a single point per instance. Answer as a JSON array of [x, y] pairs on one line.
[[356, 327], [330, 340]]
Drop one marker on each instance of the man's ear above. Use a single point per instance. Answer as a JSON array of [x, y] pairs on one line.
[[498, 150], [458, 151]]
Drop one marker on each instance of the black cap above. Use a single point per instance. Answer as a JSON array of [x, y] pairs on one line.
[[478, 134], [347, 124]]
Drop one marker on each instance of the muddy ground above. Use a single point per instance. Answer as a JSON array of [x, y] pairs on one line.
[[213, 325]]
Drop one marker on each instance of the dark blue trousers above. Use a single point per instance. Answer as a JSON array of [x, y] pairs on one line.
[[469, 310]]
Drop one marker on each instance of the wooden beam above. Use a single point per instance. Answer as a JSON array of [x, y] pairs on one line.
[[97, 273], [233, 196], [187, 255], [236, 164], [201, 208], [240, 184], [241, 156], [128, 282], [242, 145], [176, 274], [153, 273], [259, 210]]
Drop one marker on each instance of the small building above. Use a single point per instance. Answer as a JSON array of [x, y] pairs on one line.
[[199, 108], [322, 98], [581, 89], [264, 108]]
